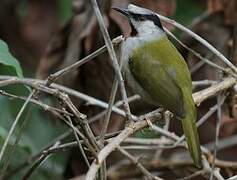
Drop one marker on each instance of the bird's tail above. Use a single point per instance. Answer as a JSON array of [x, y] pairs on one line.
[[191, 134]]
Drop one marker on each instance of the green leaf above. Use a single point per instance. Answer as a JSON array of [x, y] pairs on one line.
[[8, 64]]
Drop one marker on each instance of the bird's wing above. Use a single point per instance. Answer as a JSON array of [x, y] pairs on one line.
[[161, 71]]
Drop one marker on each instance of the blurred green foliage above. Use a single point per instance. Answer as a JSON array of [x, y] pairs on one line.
[[187, 10], [65, 10], [39, 131]]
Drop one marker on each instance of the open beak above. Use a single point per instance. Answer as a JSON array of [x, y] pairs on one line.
[[123, 11]]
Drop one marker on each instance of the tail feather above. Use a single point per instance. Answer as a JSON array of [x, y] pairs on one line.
[[191, 134]]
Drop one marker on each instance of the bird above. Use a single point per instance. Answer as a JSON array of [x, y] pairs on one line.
[[155, 70]]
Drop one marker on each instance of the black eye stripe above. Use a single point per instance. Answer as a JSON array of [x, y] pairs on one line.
[[151, 17], [135, 16], [155, 19]]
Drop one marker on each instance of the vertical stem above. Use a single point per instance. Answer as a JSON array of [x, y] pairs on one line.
[[218, 124], [109, 111]]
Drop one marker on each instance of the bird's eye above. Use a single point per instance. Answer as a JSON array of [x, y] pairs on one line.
[[142, 18]]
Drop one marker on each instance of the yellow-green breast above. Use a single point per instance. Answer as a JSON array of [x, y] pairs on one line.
[[162, 72]]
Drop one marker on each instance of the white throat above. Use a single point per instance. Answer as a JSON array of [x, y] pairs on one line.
[[145, 28]]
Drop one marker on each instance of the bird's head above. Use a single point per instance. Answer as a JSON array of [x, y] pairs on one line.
[[142, 21]]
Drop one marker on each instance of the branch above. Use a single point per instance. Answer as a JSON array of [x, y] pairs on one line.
[[202, 95]]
